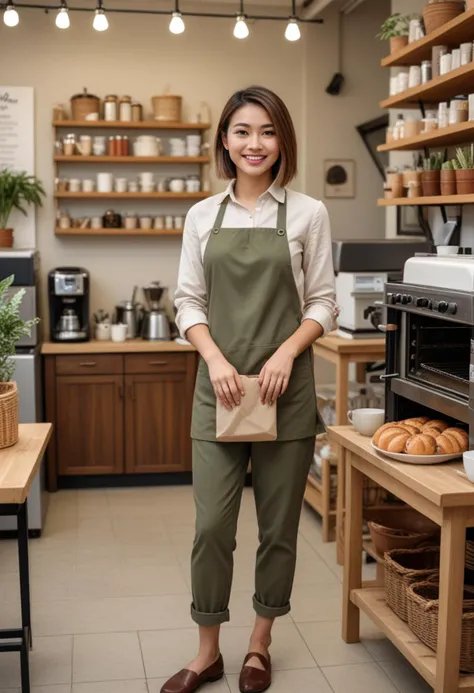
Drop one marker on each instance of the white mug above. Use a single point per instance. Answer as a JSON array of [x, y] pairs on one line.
[[177, 185], [105, 182], [119, 332], [366, 421], [146, 222], [121, 185], [468, 461], [146, 178], [74, 185], [96, 223], [88, 185]]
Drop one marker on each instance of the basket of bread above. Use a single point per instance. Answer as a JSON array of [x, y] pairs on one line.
[[421, 440]]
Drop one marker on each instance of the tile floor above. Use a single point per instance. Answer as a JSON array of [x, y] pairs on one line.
[[111, 592]]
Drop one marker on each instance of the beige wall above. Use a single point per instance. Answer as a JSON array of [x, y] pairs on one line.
[[139, 56]]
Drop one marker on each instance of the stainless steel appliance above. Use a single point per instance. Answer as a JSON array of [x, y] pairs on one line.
[[24, 265], [156, 325], [362, 269], [129, 314], [68, 289], [430, 339]]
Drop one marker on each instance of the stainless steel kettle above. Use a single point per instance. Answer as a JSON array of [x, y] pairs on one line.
[[156, 325], [129, 314]]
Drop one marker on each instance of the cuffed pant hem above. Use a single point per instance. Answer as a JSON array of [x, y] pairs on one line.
[[203, 619], [270, 611]]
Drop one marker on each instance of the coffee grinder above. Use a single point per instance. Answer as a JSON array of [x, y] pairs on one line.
[[68, 289]]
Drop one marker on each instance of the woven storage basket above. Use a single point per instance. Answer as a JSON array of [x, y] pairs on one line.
[[403, 567], [167, 108], [388, 538], [83, 104], [8, 414], [436, 14], [423, 609]]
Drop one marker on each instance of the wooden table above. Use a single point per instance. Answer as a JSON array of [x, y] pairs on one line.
[[19, 465], [440, 493], [342, 352]]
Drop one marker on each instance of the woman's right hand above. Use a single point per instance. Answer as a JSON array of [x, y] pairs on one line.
[[226, 381]]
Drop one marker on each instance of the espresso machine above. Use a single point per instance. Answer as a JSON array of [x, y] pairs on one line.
[[68, 289], [156, 325]]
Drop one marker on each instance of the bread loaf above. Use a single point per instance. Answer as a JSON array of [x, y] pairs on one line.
[[447, 445], [393, 439], [437, 424], [379, 431], [460, 435], [411, 428], [419, 422], [421, 444]]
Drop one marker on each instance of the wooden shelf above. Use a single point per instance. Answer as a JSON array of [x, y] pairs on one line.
[[372, 602], [126, 125], [118, 232], [132, 196], [446, 137], [438, 200], [78, 159], [453, 33], [442, 88]]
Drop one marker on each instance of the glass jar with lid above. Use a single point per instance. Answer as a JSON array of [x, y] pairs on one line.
[[193, 184], [110, 107], [69, 145], [137, 112], [125, 109]]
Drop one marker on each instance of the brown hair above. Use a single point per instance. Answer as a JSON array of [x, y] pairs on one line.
[[285, 168]]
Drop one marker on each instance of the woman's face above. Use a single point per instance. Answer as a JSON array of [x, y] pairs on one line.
[[251, 140]]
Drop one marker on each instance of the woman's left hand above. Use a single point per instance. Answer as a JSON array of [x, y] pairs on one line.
[[275, 375]]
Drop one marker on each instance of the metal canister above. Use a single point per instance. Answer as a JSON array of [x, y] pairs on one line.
[[137, 112], [425, 71]]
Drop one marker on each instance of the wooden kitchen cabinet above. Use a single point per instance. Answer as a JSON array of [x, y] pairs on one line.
[[115, 414]]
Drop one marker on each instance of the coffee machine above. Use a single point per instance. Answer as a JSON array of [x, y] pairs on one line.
[[156, 325], [68, 289]]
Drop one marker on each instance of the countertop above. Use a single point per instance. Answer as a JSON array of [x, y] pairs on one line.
[[19, 463], [130, 346]]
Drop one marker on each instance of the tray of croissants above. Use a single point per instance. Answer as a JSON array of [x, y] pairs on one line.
[[420, 440]]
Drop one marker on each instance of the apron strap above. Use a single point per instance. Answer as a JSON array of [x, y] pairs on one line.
[[220, 215], [281, 216]]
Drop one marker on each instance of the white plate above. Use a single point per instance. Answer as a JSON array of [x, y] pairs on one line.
[[417, 459]]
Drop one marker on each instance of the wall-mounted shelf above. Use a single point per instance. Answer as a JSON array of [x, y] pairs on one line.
[[132, 196], [118, 232], [127, 125], [79, 159], [442, 88], [446, 137], [427, 201], [453, 33]]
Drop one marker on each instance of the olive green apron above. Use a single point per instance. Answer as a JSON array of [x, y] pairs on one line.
[[253, 307]]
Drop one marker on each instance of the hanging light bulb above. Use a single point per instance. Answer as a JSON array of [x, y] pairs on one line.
[[177, 24], [10, 16], [292, 32], [100, 19], [241, 29], [62, 18]]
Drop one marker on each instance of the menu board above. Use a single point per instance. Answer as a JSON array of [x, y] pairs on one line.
[[17, 151]]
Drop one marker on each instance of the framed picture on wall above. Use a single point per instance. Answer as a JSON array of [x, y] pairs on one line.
[[339, 178], [407, 222]]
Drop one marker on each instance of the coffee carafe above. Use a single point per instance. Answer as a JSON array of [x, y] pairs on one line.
[[156, 325], [130, 314]]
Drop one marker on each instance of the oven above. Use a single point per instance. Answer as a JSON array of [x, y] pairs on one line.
[[430, 345]]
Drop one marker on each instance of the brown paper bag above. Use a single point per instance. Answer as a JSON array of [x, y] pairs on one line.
[[251, 421]]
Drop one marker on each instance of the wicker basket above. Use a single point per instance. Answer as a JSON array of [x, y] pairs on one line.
[[403, 567], [436, 14], [84, 104], [8, 414], [423, 608], [388, 538], [167, 108]]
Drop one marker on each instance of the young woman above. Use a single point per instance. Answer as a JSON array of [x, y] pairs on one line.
[[255, 290]]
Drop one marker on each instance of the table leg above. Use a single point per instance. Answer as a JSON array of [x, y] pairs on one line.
[[451, 580], [340, 497], [360, 372], [353, 550], [342, 398], [24, 571]]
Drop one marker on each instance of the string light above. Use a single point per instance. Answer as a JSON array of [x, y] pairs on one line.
[[62, 18], [10, 16], [100, 18]]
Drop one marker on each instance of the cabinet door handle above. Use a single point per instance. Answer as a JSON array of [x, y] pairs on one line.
[[157, 363], [88, 363]]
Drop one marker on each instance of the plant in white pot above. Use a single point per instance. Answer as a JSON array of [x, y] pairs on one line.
[[17, 191], [12, 327]]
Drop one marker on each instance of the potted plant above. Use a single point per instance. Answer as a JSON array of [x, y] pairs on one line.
[[431, 175], [448, 179], [464, 169], [438, 12], [395, 28], [12, 327], [17, 191]]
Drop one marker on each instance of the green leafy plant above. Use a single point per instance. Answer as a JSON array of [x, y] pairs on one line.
[[464, 157], [12, 327], [434, 162], [448, 166], [18, 191], [395, 25]]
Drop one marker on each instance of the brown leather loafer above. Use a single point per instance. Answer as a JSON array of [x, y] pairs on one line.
[[187, 681], [253, 680]]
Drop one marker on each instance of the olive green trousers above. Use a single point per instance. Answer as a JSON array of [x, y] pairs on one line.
[[279, 472]]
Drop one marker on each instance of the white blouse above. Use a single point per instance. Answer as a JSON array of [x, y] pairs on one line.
[[309, 239]]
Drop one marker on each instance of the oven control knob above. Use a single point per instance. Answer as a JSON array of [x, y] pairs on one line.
[[443, 306], [422, 303], [404, 299], [398, 298], [452, 308]]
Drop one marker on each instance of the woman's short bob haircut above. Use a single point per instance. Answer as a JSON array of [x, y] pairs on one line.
[[285, 168]]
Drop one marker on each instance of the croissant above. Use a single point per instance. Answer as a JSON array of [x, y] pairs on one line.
[[393, 439], [437, 424], [448, 445], [421, 444], [379, 431]]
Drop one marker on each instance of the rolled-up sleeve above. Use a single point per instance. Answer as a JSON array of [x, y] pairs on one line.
[[191, 295], [319, 302]]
